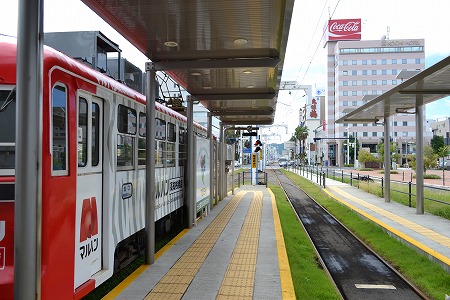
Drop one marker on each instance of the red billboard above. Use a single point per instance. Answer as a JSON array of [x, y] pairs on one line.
[[344, 30]]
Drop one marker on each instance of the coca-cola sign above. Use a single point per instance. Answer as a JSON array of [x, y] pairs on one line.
[[347, 29]]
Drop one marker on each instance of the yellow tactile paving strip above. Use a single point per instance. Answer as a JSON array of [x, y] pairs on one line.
[[287, 286], [437, 237], [175, 283], [239, 278]]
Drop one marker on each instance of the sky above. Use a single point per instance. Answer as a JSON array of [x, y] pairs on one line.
[[305, 60]]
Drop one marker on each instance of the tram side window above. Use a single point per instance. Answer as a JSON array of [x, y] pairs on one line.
[[59, 130], [127, 127], [95, 134], [171, 139], [82, 132], [160, 142], [8, 129], [142, 139], [182, 148]]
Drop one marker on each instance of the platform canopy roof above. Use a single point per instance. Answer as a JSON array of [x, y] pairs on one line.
[[226, 54], [425, 87]]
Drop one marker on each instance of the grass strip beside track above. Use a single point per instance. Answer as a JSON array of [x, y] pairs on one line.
[[309, 278], [423, 273]]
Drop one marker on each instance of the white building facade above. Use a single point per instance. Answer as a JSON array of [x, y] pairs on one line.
[[441, 127], [359, 71]]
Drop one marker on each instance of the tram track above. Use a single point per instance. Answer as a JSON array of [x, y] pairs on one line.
[[357, 272]]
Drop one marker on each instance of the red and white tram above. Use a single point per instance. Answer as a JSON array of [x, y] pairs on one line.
[[93, 174]]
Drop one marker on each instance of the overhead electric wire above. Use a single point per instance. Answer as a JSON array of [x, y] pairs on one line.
[[320, 40]]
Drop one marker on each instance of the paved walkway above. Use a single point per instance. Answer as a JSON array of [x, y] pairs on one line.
[[236, 252]]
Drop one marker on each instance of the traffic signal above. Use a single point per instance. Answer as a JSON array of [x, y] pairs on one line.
[[258, 146]]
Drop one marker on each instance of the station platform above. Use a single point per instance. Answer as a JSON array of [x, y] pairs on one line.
[[427, 233], [237, 251]]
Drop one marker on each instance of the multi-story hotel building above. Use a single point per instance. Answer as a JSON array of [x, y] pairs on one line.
[[359, 71]]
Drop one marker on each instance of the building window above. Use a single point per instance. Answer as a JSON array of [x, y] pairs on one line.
[[405, 123], [404, 134], [344, 73], [344, 93], [374, 72], [354, 62], [394, 82], [355, 103], [354, 93], [395, 123], [364, 93], [345, 83], [394, 61], [383, 61], [365, 134], [345, 62], [354, 72], [374, 92], [374, 61], [417, 60], [383, 72], [364, 72], [374, 133], [394, 72], [374, 82], [364, 82], [404, 61], [384, 82], [364, 62], [354, 82]]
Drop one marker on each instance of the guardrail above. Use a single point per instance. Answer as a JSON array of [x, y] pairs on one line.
[[246, 178]]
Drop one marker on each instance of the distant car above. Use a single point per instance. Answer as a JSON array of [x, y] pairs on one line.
[[282, 163], [236, 164], [444, 165]]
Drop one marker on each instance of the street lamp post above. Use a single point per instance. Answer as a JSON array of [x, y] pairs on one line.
[[355, 163], [348, 147], [443, 164]]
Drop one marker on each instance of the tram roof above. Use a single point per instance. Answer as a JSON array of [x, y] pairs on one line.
[[229, 54], [425, 87]]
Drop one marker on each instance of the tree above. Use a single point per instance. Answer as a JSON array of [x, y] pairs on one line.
[[301, 134], [429, 159], [394, 153], [437, 142], [365, 156]]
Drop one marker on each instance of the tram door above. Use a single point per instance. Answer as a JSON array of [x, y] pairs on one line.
[[88, 226]]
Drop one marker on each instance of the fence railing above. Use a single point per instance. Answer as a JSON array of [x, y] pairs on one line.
[[402, 192], [246, 178]]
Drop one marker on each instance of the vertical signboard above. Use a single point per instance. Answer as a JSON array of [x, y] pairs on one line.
[[254, 160], [203, 169]]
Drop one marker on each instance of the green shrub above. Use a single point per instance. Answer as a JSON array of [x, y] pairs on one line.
[[392, 172]]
